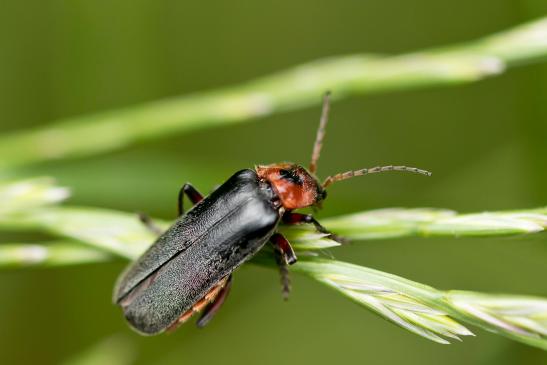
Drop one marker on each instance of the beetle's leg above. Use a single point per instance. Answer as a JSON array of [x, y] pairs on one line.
[[192, 194], [149, 223], [284, 247], [213, 307], [284, 275], [217, 293], [284, 256], [297, 218]]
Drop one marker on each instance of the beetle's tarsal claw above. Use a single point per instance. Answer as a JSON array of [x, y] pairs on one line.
[[285, 293], [291, 260], [341, 240]]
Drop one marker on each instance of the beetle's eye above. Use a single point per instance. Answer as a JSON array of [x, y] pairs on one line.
[[321, 194], [290, 176]]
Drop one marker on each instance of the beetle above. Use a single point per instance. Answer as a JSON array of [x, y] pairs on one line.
[[189, 267]]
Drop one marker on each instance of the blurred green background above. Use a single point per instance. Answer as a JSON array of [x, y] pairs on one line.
[[485, 143]]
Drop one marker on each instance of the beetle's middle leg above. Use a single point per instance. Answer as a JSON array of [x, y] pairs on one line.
[[192, 193], [298, 218], [149, 223], [284, 256]]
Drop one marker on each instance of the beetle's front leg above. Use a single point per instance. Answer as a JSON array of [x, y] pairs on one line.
[[284, 256], [192, 194], [298, 218]]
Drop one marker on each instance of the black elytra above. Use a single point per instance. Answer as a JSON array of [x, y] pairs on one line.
[[203, 246]]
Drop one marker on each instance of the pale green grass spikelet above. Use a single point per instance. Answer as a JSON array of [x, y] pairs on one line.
[[486, 223], [19, 196], [58, 253], [385, 223], [517, 316], [97, 235], [399, 222], [401, 301]]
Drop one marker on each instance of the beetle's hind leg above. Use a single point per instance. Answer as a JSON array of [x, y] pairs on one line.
[[298, 218], [149, 223], [213, 307], [284, 256], [192, 193], [209, 304]]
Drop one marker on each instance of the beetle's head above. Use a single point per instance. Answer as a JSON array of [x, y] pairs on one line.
[[298, 187], [293, 184]]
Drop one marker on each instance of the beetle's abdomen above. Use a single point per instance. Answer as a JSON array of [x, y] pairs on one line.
[[213, 239]]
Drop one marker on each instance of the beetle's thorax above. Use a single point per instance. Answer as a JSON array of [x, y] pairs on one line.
[[293, 184]]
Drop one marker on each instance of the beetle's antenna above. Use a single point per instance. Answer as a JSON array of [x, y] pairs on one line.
[[320, 133], [349, 174]]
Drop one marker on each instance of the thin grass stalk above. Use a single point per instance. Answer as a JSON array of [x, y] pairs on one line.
[[124, 235], [295, 88]]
